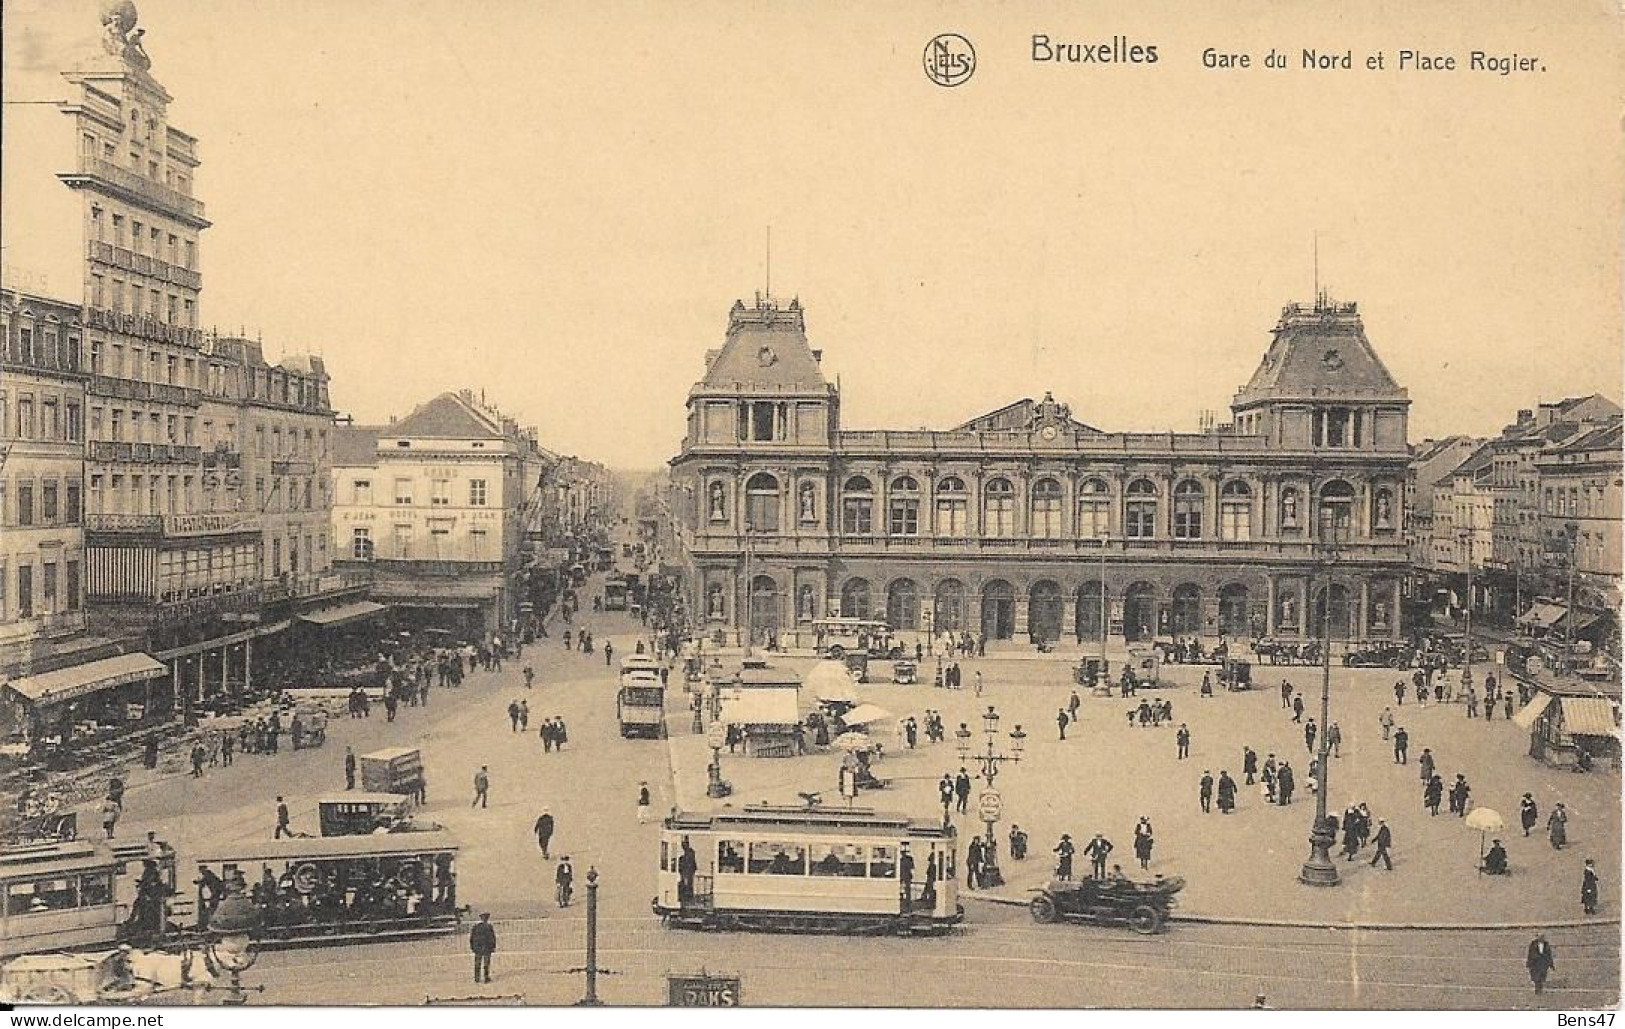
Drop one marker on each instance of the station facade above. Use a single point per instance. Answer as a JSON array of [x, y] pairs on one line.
[[1027, 524]]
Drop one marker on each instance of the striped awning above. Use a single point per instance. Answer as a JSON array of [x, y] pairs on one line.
[[343, 613], [1528, 714], [1589, 716], [90, 677]]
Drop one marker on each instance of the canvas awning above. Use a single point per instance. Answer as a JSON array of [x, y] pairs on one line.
[[1588, 716], [1578, 621], [91, 677], [866, 714], [1542, 616], [343, 613], [760, 707], [1528, 714]]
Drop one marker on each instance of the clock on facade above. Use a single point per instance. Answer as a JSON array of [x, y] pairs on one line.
[[766, 356], [1049, 432], [1332, 359]]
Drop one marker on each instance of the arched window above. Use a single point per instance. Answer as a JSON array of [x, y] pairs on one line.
[[1046, 509], [903, 605], [1336, 510], [1094, 509], [1140, 510], [951, 501], [903, 508], [1236, 511], [1187, 609], [762, 503], [998, 508], [858, 507], [1188, 510], [1235, 619], [855, 601]]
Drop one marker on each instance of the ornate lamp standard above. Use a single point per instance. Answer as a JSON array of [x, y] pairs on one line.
[[231, 939], [989, 804], [1319, 869]]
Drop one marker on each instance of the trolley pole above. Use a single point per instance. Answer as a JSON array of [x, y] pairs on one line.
[[1319, 869], [591, 999]]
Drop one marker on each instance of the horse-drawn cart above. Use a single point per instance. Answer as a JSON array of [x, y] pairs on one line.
[[1143, 906]]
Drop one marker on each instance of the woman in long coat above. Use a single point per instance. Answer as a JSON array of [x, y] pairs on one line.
[[1557, 827], [1528, 813], [1144, 840]]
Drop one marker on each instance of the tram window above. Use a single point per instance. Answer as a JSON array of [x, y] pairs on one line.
[[665, 856], [778, 859], [883, 862], [42, 895], [96, 889], [730, 856], [838, 859]]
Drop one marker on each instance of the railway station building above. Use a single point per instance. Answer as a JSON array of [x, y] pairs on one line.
[[1026, 524]]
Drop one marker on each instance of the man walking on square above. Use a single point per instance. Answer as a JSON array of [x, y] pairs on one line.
[[1402, 742], [1206, 792], [1384, 839], [1183, 739], [482, 785], [482, 940], [349, 768], [962, 791], [544, 832]]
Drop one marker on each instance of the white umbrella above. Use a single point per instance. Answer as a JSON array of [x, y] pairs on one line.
[[1485, 820], [828, 680], [866, 714]]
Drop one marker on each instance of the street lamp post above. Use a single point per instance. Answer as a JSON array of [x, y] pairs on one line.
[[1467, 620], [231, 940], [990, 804], [591, 999], [1319, 869]]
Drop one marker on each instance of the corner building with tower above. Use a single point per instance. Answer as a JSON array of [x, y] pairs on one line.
[[1009, 525]]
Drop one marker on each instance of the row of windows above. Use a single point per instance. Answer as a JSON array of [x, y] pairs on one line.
[[154, 302], [47, 345], [41, 590], [40, 503], [146, 364], [1046, 519], [440, 492], [47, 417], [287, 444], [1575, 501], [59, 893], [141, 426], [774, 857], [439, 544]]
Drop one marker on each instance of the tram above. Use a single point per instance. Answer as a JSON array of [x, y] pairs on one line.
[[57, 896], [808, 869], [337, 888]]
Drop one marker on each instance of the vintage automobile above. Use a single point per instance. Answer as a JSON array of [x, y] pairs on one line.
[[1143, 906], [905, 673], [1379, 655]]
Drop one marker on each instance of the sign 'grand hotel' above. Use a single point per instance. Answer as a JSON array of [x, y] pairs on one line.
[[1010, 524]]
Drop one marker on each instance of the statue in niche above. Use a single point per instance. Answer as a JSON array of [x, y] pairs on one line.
[[1289, 508], [809, 512], [1289, 611], [804, 604], [713, 602], [1384, 512], [719, 512], [1379, 613]]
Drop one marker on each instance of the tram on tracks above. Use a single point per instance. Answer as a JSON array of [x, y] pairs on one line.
[[808, 869], [336, 889]]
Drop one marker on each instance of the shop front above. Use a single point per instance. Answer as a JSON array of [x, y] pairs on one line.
[[82, 704], [1572, 723]]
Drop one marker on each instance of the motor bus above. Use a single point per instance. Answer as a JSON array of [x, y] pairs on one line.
[[335, 889], [837, 637], [615, 594], [807, 869]]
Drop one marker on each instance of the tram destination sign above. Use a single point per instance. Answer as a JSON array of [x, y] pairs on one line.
[[702, 991]]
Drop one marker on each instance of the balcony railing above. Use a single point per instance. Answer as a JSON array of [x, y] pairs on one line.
[[132, 389], [121, 257], [150, 453], [438, 568], [222, 457], [127, 181]]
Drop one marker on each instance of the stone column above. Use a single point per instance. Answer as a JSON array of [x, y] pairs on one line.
[[1269, 610], [1393, 613], [1020, 628], [248, 664], [1364, 624], [1069, 615], [225, 685], [1305, 613]]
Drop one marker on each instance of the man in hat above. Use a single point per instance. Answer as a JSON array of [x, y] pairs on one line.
[[482, 940], [1097, 849], [1588, 887], [1205, 793], [1540, 961], [1384, 840], [544, 831]]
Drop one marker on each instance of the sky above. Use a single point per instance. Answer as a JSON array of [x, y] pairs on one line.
[[557, 203]]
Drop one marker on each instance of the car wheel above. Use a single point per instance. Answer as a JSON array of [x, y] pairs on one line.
[[1145, 919], [1043, 909]]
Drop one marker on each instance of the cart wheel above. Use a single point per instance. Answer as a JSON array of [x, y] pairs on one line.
[[837, 652], [47, 993], [1043, 909], [1145, 919]]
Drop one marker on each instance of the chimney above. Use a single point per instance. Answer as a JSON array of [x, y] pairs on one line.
[[1525, 416]]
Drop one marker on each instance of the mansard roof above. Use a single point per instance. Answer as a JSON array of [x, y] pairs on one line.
[[765, 348], [447, 416], [1320, 351]]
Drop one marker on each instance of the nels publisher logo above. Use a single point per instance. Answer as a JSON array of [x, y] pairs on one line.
[[949, 59]]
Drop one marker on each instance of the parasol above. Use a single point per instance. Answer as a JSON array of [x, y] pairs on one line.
[[1485, 821], [867, 714], [829, 681]]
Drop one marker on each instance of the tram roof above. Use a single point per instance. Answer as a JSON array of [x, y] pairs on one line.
[[808, 818], [401, 844], [53, 858]]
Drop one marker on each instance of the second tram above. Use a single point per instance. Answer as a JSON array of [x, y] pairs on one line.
[[829, 870]]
